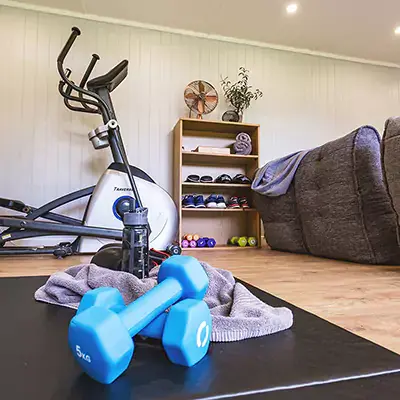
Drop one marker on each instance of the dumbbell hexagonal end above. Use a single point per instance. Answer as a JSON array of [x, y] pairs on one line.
[[187, 332], [105, 297], [189, 272], [100, 343]]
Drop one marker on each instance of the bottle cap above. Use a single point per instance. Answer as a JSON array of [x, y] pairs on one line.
[[136, 217]]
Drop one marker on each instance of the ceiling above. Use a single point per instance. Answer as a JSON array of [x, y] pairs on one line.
[[353, 28]]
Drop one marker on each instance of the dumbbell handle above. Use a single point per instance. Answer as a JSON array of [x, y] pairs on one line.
[[147, 307], [156, 327]]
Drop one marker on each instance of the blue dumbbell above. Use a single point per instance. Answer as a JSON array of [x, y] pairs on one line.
[[100, 334], [189, 318], [201, 243]]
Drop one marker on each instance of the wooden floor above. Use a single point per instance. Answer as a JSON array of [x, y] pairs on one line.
[[362, 299]]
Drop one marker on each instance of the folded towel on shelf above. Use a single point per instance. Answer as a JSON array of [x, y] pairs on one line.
[[242, 148], [236, 313], [243, 137], [243, 145]]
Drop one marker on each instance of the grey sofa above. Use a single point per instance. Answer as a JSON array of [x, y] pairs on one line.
[[341, 204]]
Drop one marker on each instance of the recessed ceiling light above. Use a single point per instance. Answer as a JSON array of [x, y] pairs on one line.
[[397, 30], [292, 8]]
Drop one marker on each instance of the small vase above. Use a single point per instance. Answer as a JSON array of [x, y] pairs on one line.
[[231, 116]]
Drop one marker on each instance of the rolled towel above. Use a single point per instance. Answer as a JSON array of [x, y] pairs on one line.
[[242, 147], [243, 137]]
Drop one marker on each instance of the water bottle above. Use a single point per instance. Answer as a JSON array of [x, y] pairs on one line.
[[135, 243]]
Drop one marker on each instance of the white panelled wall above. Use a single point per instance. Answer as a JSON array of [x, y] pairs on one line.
[[44, 150]]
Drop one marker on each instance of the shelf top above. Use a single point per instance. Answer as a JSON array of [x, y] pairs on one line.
[[219, 126], [191, 156], [220, 185], [237, 156]]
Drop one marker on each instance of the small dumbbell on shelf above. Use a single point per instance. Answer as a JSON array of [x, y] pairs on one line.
[[252, 241], [190, 240], [238, 241], [186, 243], [194, 240], [201, 243], [191, 237], [211, 242], [206, 242], [243, 241]]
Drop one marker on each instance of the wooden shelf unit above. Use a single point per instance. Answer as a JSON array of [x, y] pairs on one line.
[[220, 224]]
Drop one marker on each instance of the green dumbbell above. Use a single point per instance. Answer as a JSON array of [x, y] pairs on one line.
[[252, 241], [239, 241], [242, 242], [233, 240]]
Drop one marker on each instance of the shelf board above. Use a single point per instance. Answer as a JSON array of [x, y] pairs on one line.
[[219, 210], [190, 124], [218, 185], [222, 247], [204, 158]]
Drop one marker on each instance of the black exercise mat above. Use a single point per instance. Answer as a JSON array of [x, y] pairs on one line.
[[37, 364], [384, 387]]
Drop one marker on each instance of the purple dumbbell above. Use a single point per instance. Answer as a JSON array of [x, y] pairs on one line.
[[201, 243], [192, 243], [185, 244], [211, 242]]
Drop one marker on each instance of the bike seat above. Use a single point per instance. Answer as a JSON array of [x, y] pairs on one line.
[[111, 79]]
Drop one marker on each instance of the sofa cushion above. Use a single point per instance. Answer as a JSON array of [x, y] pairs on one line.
[[391, 163], [345, 210], [338, 205], [282, 228]]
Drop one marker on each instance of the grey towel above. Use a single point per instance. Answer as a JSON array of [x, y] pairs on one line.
[[243, 148], [237, 314], [275, 177], [243, 137], [243, 145]]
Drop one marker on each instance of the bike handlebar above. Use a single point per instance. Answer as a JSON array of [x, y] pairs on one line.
[[89, 70], [68, 97], [97, 101], [85, 78], [66, 86], [74, 34]]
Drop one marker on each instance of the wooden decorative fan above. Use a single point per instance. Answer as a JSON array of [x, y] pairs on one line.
[[201, 98]]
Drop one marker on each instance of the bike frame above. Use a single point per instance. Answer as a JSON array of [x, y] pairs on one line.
[[94, 102], [27, 226]]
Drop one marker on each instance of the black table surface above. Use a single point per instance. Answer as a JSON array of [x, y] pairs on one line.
[[36, 362]]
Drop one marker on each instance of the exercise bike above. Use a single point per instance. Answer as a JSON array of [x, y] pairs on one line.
[[110, 198]]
